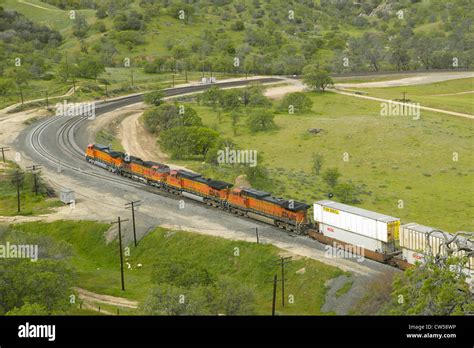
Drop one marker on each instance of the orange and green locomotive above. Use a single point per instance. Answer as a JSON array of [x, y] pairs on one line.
[[259, 205]]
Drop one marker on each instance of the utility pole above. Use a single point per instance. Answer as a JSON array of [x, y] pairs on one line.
[[186, 71], [21, 94], [4, 149], [120, 245], [283, 261], [132, 205], [210, 68], [256, 232], [17, 179], [67, 68], [274, 281], [47, 101], [274, 294], [172, 75], [404, 101], [34, 170]]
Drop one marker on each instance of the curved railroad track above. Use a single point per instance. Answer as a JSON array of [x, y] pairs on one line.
[[59, 142], [73, 154]]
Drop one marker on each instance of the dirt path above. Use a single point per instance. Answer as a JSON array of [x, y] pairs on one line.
[[421, 79], [90, 296], [13, 106], [137, 141], [452, 113], [449, 94], [279, 92], [38, 6]]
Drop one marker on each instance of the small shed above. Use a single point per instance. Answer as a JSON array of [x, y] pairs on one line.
[[66, 196]]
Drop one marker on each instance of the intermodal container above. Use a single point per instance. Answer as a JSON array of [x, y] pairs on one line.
[[356, 220]]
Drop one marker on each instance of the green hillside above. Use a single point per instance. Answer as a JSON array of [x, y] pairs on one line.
[[68, 38]]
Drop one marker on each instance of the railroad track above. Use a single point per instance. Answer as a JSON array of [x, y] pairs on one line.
[[73, 154]]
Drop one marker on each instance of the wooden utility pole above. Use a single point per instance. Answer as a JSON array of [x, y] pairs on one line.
[[274, 294], [21, 94], [132, 205], [120, 246], [256, 232], [17, 179], [67, 68], [4, 149], [34, 170], [274, 281], [186, 71], [283, 261]]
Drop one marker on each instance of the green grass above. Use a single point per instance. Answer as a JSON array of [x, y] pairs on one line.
[[48, 15], [106, 138], [98, 268], [432, 95], [30, 204], [344, 289], [391, 158]]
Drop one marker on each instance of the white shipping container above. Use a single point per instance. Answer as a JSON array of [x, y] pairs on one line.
[[413, 237], [356, 239], [415, 245], [364, 222]]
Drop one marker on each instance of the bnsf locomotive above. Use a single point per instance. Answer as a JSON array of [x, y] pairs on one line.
[[286, 214]]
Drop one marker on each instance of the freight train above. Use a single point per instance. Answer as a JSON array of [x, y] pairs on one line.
[[375, 236]]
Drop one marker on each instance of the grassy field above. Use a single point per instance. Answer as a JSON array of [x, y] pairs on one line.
[[390, 158], [444, 95], [98, 268], [30, 204], [88, 89]]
